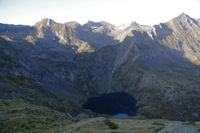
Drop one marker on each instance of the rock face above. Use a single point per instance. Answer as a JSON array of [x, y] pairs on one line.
[[157, 65], [87, 37], [181, 34], [177, 127], [122, 31]]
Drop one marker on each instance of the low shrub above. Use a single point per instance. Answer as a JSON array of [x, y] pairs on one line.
[[110, 124]]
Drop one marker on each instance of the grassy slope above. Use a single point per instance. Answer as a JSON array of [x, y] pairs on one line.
[[26, 106], [19, 116], [19, 87], [97, 125]]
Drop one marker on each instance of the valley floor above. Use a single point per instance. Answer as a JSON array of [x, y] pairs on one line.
[[17, 116], [98, 125]]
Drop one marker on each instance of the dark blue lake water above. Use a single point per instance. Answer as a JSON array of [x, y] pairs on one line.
[[120, 104], [120, 115]]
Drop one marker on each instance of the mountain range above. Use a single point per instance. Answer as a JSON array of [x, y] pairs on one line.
[[60, 66]]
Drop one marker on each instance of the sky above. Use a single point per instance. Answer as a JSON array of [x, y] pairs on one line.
[[146, 12]]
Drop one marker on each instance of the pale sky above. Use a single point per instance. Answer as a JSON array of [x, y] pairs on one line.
[[147, 12]]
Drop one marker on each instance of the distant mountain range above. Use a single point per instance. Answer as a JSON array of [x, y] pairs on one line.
[[158, 65]]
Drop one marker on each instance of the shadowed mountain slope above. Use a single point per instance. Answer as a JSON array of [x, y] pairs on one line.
[[158, 65]]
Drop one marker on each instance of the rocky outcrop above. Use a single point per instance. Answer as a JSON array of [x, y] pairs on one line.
[[177, 127], [182, 35]]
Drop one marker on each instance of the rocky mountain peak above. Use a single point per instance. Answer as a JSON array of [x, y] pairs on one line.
[[92, 24], [182, 23], [101, 27], [72, 23], [133, 23], [184, 17], [106, 23], [99, 24], [45, 22], [184, 20], [127, 25]]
